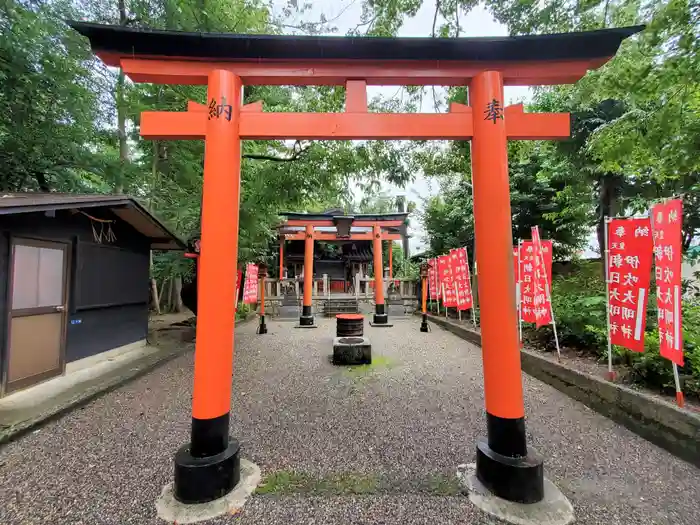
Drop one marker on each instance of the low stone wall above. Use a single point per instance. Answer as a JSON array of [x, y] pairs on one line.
[[664, 424]]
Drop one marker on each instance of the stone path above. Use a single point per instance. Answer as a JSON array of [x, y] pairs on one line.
[[372, 445]]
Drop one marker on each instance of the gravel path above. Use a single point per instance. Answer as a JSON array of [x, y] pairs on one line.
[[362, 445]]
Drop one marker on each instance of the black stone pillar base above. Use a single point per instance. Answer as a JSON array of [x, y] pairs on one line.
[[352, 351], [262, 329], [380, 315], [424, 323], [203, 479], [518, 479], [306, 318]]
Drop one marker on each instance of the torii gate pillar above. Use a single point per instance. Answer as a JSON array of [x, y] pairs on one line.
[[209, 466], [503, 463]]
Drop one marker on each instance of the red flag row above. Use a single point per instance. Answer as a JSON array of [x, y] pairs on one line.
[[250, 288], [449, 279], [633, 244]]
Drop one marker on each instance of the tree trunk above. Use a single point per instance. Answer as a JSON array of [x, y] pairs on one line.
[[156, 297], [160, 295], [121, 113], [609, 206], [177, 298], [169, 306], [154, 286]]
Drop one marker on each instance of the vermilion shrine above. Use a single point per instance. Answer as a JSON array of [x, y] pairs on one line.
[[345, 229], [208, 467]]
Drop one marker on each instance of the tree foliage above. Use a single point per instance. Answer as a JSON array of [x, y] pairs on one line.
[[68, 123]]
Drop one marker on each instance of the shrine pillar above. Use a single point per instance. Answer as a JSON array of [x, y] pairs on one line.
[[307, 318], [281, 261], [262, 275], [208, 467], [503, 462], [391, 260], [380, 314], [424, 297]]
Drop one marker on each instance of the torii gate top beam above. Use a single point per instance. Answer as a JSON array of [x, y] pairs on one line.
[[392, 226], [177, 57]]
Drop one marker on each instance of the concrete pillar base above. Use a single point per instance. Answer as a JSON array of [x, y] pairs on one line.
[[518, 479], [173, 511], [203, 479], [553, 509]]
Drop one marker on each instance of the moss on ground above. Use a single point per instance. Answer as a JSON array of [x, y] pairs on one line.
[[378, 362], [290, 482], [285, 482]]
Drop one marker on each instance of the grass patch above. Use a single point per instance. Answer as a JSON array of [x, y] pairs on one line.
[[289, 482], [441, 485], [378, 362], [284, 482]]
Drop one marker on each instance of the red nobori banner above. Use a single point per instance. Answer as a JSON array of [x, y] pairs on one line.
[[446, 283], [516, 273], [666, 219], [239, 275], [250, 288], [527, 276], [541, 300], [432, 278], [465, 300], [438, 278], [629, 271]]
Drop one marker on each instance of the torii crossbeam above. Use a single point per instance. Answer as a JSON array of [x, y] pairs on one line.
[[207, 468]]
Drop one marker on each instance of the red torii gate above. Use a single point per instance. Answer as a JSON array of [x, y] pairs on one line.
[[343, 225], [208, 467]]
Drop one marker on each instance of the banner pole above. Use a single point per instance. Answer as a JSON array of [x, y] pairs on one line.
[[676, 378], [437, 288], [611, 372], [518, 288], [679, 393], [459, 312], [471, 290], [443, 298], [549, 295]]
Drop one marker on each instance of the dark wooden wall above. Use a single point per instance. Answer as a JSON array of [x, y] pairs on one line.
[[108, 285]]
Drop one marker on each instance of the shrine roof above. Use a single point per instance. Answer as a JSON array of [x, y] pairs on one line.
[[112, 43], [378, 217]]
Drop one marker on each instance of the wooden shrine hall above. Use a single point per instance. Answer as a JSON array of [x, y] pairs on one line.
[[341, 251], [348, 231]]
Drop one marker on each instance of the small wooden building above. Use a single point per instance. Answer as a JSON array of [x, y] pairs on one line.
[[74, 280]]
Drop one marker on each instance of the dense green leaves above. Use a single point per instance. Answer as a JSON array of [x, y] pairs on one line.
[[67, 123], [48, 104]]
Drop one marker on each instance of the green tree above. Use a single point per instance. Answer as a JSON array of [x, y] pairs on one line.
[[49, 110]]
